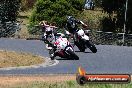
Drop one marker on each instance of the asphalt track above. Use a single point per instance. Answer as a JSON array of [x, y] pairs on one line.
[[108, 59]]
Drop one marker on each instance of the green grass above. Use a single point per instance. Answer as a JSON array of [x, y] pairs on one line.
[[67, 84]]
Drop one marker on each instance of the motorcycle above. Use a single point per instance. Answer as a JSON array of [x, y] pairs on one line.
[[82, 41], [61, 47]]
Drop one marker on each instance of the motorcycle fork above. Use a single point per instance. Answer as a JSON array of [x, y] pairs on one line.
[[83, 43]]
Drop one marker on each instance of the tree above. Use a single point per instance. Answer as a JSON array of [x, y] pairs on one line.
[[9, 10], [129, 17], [118, 7], [97, 3], [55, 10]]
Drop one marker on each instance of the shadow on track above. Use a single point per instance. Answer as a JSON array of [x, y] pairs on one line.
[[84, 52], [64, 59]]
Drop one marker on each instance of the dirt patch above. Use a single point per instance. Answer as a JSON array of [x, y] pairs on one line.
[[13, 59], [12, 80]]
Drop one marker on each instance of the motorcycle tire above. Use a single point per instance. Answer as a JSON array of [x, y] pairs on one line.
[[72, 55], [80, 46], [91, 46]]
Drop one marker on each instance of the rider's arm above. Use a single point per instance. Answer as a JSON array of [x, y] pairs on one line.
[[43, 23], [54, 27], [67, 32], [80, 22], [83, 24]]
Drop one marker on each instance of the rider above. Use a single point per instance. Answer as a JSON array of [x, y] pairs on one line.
[[72, 25], [48, 33]]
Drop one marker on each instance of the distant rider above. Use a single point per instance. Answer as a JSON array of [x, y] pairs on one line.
[[72, 25], [48, 33]]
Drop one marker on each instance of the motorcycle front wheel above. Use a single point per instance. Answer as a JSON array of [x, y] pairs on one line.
[[72, 55], [91, 46]]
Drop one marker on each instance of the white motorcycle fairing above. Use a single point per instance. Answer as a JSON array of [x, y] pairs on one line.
[[82, 34], [61, 43]]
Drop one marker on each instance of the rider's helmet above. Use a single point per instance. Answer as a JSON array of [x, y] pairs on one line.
[[69, 17], [71, 21]]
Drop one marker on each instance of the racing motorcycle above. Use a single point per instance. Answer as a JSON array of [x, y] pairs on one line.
[[82, 41], [61, 47]]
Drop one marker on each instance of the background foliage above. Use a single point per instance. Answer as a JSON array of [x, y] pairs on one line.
[[27, 4], [55, 10], [116, 10], [9, 10]]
